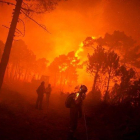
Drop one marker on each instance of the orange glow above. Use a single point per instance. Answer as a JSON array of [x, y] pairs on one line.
[[69, 24], [93, 37], [79, 50], [62, 69]]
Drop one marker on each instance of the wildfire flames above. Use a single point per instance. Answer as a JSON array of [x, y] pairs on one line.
[[79, 50], [42, 51]]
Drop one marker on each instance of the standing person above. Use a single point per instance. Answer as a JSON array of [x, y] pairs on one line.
[[48, 93], [74, 102], [40, 91]]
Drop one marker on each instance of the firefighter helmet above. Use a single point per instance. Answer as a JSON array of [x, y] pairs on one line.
[[83, 89]]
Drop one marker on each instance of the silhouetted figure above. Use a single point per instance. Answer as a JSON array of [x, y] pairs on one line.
[[74, 102], [48, 93], [40, 91]]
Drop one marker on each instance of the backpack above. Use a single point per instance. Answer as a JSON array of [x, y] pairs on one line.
[[69, 100]]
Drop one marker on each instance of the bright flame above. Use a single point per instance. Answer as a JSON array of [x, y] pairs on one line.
[[93, 37], [79, 50], [73, 61]]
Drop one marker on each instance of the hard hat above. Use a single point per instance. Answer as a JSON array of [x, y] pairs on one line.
[[83, 89]]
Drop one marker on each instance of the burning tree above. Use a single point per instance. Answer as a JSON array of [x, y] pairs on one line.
[[63, 69], [119, 49], [124, 45]]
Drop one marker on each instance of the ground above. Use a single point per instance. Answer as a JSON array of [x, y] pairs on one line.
[[19, 120]]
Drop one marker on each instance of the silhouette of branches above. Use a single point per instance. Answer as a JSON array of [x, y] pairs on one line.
[[28, 10], [25, 9], [23, 26], [42, 26], [9, 3], [17, 30]]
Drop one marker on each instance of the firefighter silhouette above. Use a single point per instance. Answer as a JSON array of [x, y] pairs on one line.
[[74, 101], [40, 92]]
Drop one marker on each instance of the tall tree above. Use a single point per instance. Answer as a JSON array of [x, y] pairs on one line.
[[8, 44], [40, 6], [111, 65], [127, 76], [128, 50], [1, 48], [95, 63]]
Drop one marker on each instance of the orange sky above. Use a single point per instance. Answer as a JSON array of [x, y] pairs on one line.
[[70, 23]]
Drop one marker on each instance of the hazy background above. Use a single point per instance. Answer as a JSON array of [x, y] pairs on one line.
[[72, 21]]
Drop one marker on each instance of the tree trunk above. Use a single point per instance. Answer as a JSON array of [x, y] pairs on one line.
[[12, 71], [25, 76], [109, 74], [8, 44], [61, 80], [95, 80], [15, 73], [55, 78], [107, 93]]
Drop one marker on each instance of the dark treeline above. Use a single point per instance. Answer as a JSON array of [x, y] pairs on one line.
[[23, 66], [112, 107], [114, 65]]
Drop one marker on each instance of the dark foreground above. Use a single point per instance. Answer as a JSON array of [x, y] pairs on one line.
[[19, 120]]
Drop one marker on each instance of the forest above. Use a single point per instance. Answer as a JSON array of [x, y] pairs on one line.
[[108, 65]]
